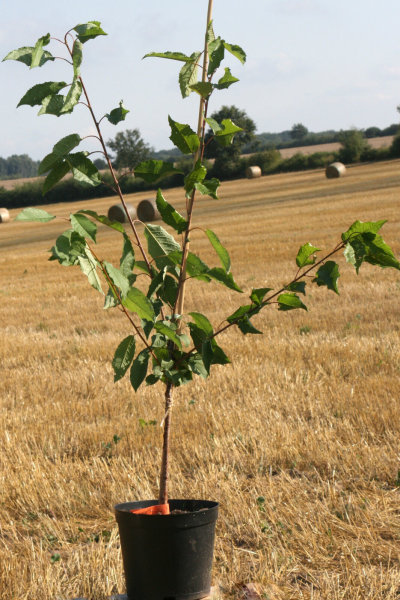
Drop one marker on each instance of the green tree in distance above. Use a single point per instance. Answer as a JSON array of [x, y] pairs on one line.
[[353, 145], [130, 149], [239, 118], [298, 131]]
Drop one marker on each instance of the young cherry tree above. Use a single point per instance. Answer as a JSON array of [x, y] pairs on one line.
[[167, 344]]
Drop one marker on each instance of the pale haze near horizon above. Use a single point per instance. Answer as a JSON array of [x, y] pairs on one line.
[[328, 65]]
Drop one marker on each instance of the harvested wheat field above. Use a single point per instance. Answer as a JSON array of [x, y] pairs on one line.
[[298, 439]]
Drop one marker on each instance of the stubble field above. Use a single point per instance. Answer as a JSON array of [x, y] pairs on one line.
[[298, 439]]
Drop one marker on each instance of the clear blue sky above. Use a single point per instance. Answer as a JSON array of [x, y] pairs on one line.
[[322, 63]]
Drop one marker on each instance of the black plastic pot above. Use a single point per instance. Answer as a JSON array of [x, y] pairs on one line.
[[168, 557]]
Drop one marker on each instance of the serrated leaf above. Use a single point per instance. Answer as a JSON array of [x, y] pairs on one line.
[[216, 50], [236, 51], [297, 286], [169, 215], [104, 220], [328, 274], [226, 80], [139, 369], [168, 329], [36, 94], [239, 313], [24, 55], [60, 150], [288, 301], [37, 52], [170, 55], [153, 170], [183, 137], [361, 227], [208, 187], [88, 266], [83, 169], [215, 126], [136, 301], [257, 295], [127, 261], [223, 277], [195, 267], [246, 326], [305, 255], [203, 323], [203, 88], [72, 98], [220, 250], [196, 363], [117, 277], [371, 248], [224, 136], [52, 105], [123, 357], [210, 35], [88, 31], [69, 245], [56, 174], [188, 74], [84, 226], [117, 114], [34, 214], [160, 244], [77, 58], [196, 175]]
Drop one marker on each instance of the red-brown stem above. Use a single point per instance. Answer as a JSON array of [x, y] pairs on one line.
[[164, 474]]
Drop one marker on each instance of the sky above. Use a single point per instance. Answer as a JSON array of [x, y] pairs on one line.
[[328, 65]]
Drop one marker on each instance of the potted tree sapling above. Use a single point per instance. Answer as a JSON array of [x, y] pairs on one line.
[[167, 545]]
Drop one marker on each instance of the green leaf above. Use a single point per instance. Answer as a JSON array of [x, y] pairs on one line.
[[207, 354], [104, 220], [188, 74], [24, 55], [236, 51], [371, 248], [360, 227], [37, 52], [56, 174], [305, 255], [117, 114], [328, 274], [89, 268], [83, 169], [52, 105], [223, 277], [203, 88], [153, 170], [169, 215], [226, 80], [215, 126], [72, 98], [168, 329], [68, 247], [239, 313], [195, 176], [160, 244], [224, 136], [127, 261], [170, 55], [246, 326], [60, 150], [34, 214], [136, 301], [297, 286], [196, 363], [123, 357], [208, 187], [257, 295], [183, 137], [118, 278], [77, 58], [220, 250], [88, 31], [195, 267], [203, 323], [84, 226], [216, 50], [139, 369], [36, 94], [288, 301]]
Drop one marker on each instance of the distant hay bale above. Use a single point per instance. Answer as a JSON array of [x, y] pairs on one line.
[[117, 213], [334, 170], [252, 172], [147, 210], [4, 215]]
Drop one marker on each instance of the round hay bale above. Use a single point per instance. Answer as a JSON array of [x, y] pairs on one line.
[[117, 213], [334, 170], [252, 172], [4, 215], [147, 210]]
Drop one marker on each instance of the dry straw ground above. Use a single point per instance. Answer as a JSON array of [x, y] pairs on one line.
[[299, 440]]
